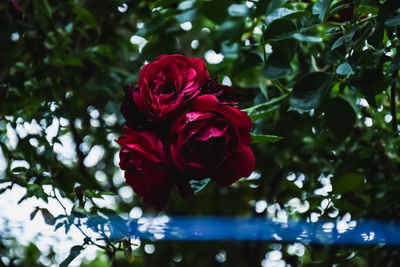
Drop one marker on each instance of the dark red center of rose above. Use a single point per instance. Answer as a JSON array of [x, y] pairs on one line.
[[205, 152], [168, 88]]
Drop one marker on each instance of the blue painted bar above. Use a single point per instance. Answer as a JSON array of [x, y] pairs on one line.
[[368, 232]]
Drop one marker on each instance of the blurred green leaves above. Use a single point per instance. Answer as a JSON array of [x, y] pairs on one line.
[[340, 117], [347, 182], [74, 252], [280, 29], [263, 138], [309, 91], [321, 8]]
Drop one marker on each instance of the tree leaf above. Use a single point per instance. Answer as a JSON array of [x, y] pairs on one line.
[[74, 252], [19, 169], [277, 66], [321, 8], [345, 205], [344, 69], [48, 217], [280, 29], [278, 14], [340, 117], [309, 91], [197, 186], [34, 212], [347, 182], [273, 5], [307, 38], [238, 10], [188, 15], [82, 14], [339, 42], [393, 21], [264, 138], [257, 115]]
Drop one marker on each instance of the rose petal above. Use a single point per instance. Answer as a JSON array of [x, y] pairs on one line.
[[242, 162]]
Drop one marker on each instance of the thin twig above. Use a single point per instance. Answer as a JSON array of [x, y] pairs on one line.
[[80, 229], [59, 201], [393, 103], [266, 104]]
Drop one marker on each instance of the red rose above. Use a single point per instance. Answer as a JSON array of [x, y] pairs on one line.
[[225, 94], [146, 170], [167, 84], [212, 140]]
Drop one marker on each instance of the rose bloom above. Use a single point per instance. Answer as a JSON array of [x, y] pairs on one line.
[[225, 94], [146, 166], [211, 140], [167, 84]]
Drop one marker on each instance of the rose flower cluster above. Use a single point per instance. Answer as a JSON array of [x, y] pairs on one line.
[[181, 125]]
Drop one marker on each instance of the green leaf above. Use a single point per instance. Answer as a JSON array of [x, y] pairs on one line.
[[262, 114], [344, 205], [74, 252], [34, 212], [264, 138], [271, 102], [321, 8], [280, 29], [216, 11], [102, 49], [231, 29], [309, 91], [340, 117], [48, 217], [238, 10], [278, 14], [347, 182], [344, 69], [393, 21], [197, 186], [273, 5], [188, 4], [338, 43], [186, 16], [307, 38], [82, 14], [19, 169], [58, 225], [369, 82], [277, 66], [384, 13], [394, 65]]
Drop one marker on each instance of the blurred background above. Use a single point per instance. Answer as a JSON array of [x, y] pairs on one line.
[[321, 74]]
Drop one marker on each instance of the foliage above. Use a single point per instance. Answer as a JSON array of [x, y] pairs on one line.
[[323, 75]]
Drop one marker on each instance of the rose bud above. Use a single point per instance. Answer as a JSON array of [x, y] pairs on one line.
[[146, 169], [211, 140], [167, 84]]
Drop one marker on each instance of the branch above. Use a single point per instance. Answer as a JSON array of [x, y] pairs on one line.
[[393, 103], [266, 104], [77, 226]]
